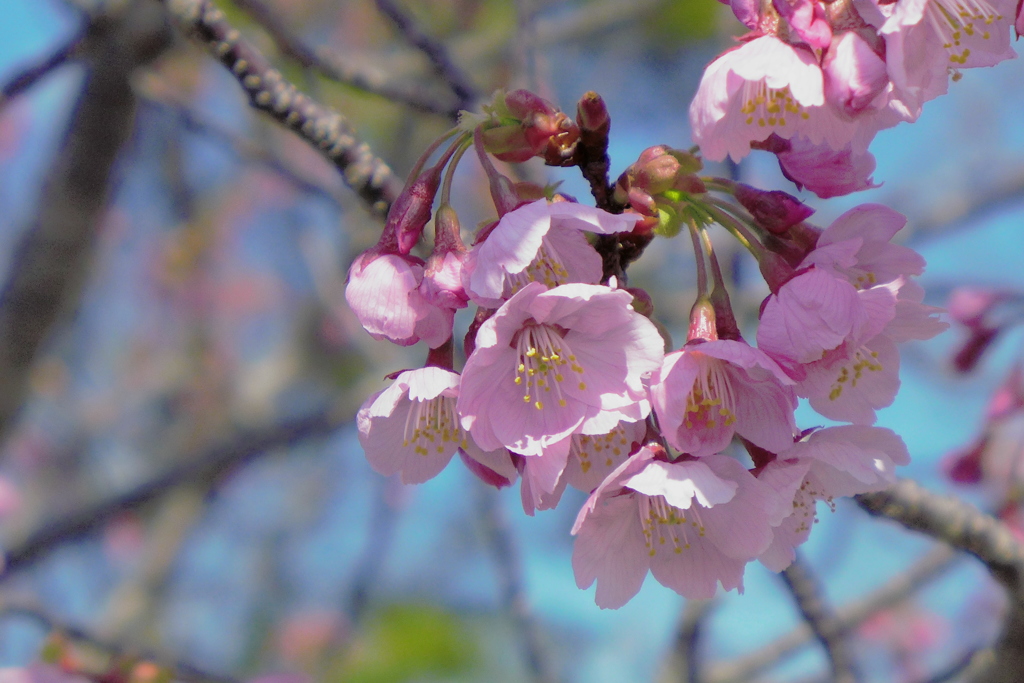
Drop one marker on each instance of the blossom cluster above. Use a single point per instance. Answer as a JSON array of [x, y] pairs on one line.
[[813, 81], [691, 455]]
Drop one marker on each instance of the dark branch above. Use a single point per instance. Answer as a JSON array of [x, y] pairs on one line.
[[964, 527], [51, 261], [33, 73], [684, 661], [809, 600], [513, 593], [211, 465], [182, 670], [436, 52], [330, 65], [848, 618], [325, 129]]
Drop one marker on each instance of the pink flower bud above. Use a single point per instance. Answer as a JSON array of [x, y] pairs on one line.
[[411, 212], [774, 211], [592, 114]]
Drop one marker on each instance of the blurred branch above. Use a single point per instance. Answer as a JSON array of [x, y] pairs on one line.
[[684, 663], [499, 536], [33, 73], [964, 527], [848, 618], [182, 670], [153, 90], [803, 585], [325, 129], [435, 51], [378, 543], [331, 65], [50, 263], [211, 465]]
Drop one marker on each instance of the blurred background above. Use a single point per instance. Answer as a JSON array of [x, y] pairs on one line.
[[179, 474]]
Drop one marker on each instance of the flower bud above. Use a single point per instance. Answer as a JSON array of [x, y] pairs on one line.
[[410, 213], [592, 114], [775, 211]]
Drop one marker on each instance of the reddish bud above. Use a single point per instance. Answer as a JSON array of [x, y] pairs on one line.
[[410, 213], [702, 322], [775, 211], [775, 270], [522, 104], [964, 467], [592, 114]]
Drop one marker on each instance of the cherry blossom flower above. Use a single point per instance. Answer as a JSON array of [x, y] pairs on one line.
[[876, 260], [411, 428], [539, 242], [828, 464], [825, 171], [709, 391], [550, 363], [765, 86], [927, 39], [693, 524], [384, 292]]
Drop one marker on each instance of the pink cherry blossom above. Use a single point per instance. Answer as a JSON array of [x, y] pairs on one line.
[[539, 242], [876, 260], [384, 292], [707, 392], [551, 363], [855, 75], [807, 19], [816, 312], [765, 86], [830, 463], [825, 171], [411, 428], [928, 39], [590, 458], [693, 524], [1019, 24]]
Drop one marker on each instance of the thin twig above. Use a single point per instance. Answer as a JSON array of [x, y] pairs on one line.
[[157, 93], [848, 618], [963, 526], [213, 464], [32, 74], [436, 52], [808, 596], [331, 65], [513, 593], [325, 129], [183, 671], [685, 663]]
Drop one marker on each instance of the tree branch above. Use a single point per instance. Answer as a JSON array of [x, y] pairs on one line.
[[809, 600], [182, 670], [329, 64], [436, 52], [848, 618], [506, 558], [33, 73], [325, 129], [684, 663], [964, 527], [51, 261], [213, 464]]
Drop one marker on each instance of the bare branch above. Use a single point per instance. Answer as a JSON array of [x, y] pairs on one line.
[[33, 73], [684, 664], [510, 576], [848, 618], [436, 52], [329, 64], [158, 93], [809, 599], [182, 670], [963, 526], [325, 129], [213, 464], [50, 262]]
